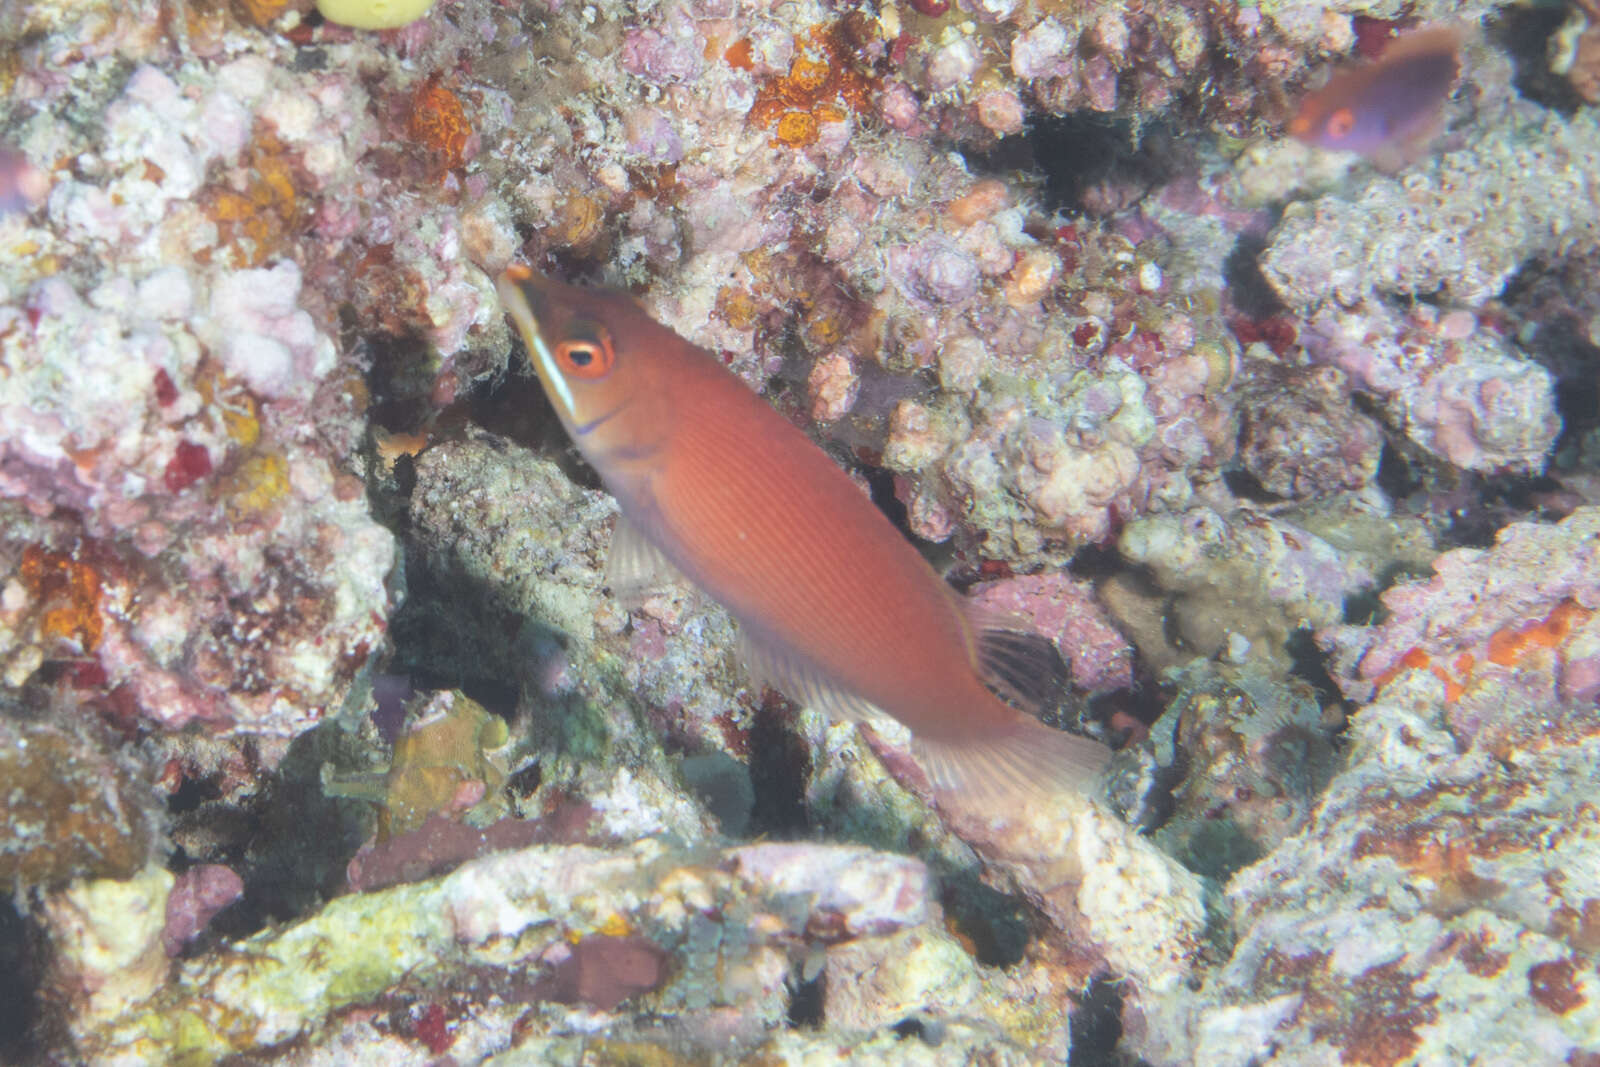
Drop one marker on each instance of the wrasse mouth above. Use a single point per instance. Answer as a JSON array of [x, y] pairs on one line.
[[580, 429], [521, 293], [523, 298]]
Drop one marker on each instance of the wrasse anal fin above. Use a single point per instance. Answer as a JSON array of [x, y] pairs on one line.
[[1026, 761]]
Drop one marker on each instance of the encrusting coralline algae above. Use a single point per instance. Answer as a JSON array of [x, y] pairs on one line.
[[303, 600]]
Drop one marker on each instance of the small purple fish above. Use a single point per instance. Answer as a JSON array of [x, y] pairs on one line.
[[1388, 108], [23, 186]]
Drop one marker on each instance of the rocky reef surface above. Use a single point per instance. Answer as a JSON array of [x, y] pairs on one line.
[[322, 739]]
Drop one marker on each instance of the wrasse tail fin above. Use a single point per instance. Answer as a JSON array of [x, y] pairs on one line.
[[636, 568], [802, 683], [1025, 763]]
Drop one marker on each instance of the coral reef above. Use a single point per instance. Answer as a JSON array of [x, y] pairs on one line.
[[292, 547], [1575, 50], [1256, 754], [591, 928], [72, 806], [1430, 898], [1515, 618]]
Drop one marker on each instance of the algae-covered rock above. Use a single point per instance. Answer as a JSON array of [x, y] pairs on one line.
[[69, 807]]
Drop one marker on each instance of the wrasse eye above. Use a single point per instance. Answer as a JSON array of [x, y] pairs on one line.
[[586, 357], [1341, 122]]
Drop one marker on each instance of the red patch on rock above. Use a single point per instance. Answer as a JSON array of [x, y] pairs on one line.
[[188, 465]]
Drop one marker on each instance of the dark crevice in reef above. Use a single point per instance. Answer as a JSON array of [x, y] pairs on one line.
[[994, 925], [1248, 287], [1553, 303], [1395, 476], [1096, 1027], [517, 408], [1246, 486], [1309, 663], [19, 1000], [806, 1001], [289, 842], [1464, 509], [1524, 34], [1487, 505], [399, 377], [780, 762], [1091, 163], [881, 484]]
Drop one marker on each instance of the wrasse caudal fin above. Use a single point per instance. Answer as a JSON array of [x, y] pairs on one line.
[[1026, 762]]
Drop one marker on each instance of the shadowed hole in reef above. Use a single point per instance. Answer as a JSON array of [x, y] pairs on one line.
[[19, 1003], [780, 762], [881, 483], [1096, 1027], [1246, 486], [1247, 285], [993, 925], [289, 842], [1524, 32], [1395, 476], [806, 1000], [1309, 663], [929, 1031], [1090, 161], [517, 408]]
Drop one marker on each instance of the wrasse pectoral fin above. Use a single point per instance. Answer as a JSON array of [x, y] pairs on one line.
[[1026, 761], [803, 683], [636, 568], [1024, 666]]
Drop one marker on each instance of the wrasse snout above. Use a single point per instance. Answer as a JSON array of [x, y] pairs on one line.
[[836, 609]]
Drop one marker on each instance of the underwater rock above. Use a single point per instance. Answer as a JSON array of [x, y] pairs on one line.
[[71, 807], [106, 937], [1458, 226], [1254, 754], [1244, 582], [718, 926], [1430, 896], [1519, 617], [1474, 400]]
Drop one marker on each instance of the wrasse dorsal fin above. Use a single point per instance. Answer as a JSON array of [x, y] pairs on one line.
[[636, 568], [802, 683], [1024, 763]]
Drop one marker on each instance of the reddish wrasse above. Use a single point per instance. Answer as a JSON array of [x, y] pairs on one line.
[[836, 608]]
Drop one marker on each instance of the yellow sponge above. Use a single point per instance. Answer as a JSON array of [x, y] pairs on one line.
[[373, 14]]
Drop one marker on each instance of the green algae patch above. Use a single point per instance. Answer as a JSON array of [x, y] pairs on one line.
[[282, 983]]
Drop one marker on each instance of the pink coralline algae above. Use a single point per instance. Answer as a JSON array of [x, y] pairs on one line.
[[602, 971], [1472, 400], [196, 897], [935, 270]]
